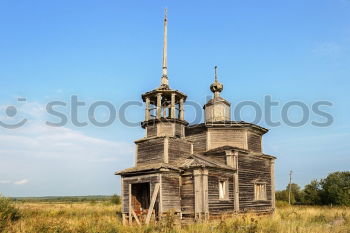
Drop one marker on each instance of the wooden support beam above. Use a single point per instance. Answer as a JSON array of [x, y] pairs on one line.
[[160, 196], [130, 206], [124, 219], [166, 150], [159, 105], [273, 202], [236, 182], [172, 112], [136, 218], [153, 202], [182, 113], [198, 193], [147, 113], [205, 194]]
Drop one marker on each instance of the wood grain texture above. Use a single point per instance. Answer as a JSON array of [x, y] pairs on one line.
[[150, 151], [254, 142], [171, 198], [199, 138], [179, 148], [253, 168], [227, 137]]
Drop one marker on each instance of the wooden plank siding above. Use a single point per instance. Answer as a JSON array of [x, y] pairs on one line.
[[252, 168], [227, 137], [150, 151], [217, 206], [179, 148], [151, 130], [199, 138], [166, 129], [171, 200], [218, 157], [179, 130], [187, 194], [254, 142]]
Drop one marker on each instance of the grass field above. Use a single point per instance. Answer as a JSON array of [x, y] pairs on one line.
[[42, 217]]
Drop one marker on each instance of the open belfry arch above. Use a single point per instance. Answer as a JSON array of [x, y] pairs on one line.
[[195, 172]]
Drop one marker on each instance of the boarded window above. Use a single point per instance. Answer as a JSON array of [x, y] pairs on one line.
[[223, 189], [260, 191]]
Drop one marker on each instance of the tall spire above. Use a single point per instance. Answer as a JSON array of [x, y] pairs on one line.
[[164, 80]]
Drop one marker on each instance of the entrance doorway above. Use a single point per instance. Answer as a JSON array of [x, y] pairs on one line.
[[140, 197]]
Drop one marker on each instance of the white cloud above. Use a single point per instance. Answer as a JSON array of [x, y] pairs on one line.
[[37, 140], [57, 160], [20, 182]]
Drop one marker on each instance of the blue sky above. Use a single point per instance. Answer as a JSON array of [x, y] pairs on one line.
[[112, 51]]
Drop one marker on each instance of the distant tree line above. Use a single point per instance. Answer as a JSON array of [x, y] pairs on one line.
[[115, 199], [333, 190]]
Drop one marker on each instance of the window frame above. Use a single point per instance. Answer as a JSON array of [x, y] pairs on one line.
[[258, 197], [225, 189]]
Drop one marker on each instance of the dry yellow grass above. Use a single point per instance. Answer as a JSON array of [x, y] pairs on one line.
[[103, 217]]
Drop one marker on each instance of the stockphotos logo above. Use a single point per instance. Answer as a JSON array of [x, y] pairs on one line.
[[71, 113]]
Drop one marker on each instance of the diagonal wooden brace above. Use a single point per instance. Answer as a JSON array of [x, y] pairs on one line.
[[153, 201]]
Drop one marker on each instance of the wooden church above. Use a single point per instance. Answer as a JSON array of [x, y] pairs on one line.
[[195, 172]]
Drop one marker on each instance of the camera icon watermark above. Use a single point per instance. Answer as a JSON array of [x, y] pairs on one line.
[[11, 112]]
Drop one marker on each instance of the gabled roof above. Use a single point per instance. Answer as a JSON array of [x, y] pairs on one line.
[[192, 161], [147, 168], [224, 148], [229, 124], [201, 161]]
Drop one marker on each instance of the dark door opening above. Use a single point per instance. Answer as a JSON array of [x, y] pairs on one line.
[[140, 197]]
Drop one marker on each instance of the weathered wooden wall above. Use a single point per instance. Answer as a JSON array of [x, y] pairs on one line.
[[179, 148], [254, 142], [217, 206], [219, 157], [170, 190], [252, 168], [150, 151], [179, 130], [187, 194], [227, 137], [199, 138], [151, 130], [166, 129]]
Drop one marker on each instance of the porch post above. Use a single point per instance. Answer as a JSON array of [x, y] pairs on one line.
[[236, 181], [130, 206], [273, 202], [205, 194], [198, 193]]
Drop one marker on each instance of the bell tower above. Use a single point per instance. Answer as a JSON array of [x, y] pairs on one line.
[[164, 113]]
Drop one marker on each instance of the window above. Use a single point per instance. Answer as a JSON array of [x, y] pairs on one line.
[[260, 191], [223, 189]]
